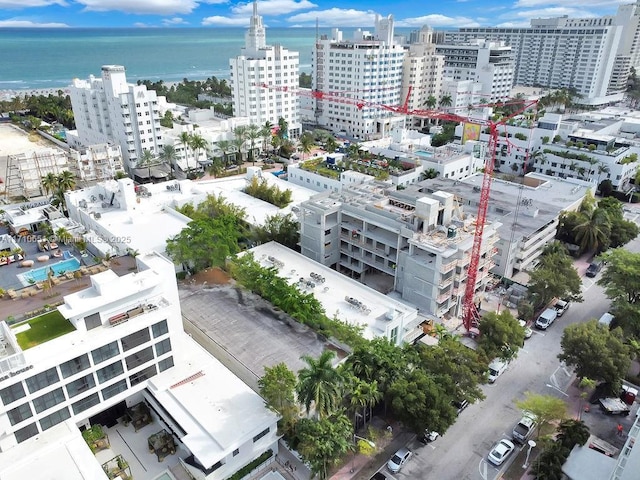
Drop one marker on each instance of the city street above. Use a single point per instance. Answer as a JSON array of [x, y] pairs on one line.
[[462, 452]]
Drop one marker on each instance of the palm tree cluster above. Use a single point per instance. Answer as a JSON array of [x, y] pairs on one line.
[[57, 185], [565, 97], [187, 91], [548, 465], [50, 108]]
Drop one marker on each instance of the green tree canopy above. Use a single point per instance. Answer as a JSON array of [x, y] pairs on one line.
[[596, 352], [278, 228], [319, 383], [546, 408], [621, 276], [555, 276], [277, 387], [500, 335], [572, 432]]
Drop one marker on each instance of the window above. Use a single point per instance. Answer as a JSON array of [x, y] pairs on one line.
[[260, 435], [110, 371], [74, 366], [80, 385], [105, 353], [92, 321], [12, 393], [26, 432], [19, 414], [159, 328], [163, 347], [48, 400], [236, 452], [85, 403], [143, 375], [54, 419], [394, 336], [165, 364], [135, 339], [42, 380], [138, 358], [113, 390]]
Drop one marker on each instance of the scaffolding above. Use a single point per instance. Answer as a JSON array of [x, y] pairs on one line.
[[25, 171]]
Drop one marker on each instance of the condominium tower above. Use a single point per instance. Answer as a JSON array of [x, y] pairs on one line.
[[362, 74], [264, 79], [110, 110]]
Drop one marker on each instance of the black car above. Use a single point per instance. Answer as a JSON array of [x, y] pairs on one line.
[[593, 268], [378, 476], [460, 405]]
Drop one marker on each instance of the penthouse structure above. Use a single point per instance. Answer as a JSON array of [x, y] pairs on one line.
[[110, 110], [362, 73], [264, 78], [418, 241], [115, 355]]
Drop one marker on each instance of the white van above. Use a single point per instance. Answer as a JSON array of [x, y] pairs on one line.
[[496, 368], [546, 318], [606, 319]]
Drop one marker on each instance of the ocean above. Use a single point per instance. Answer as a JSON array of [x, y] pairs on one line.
[[51, 58]]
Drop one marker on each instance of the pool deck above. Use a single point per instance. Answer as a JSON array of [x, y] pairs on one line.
[[34, 273]]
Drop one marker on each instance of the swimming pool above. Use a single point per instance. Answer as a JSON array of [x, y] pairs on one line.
[[39, 274], [422, 153]]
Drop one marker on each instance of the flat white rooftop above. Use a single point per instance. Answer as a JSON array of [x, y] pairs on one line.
[[331, 294], [57, 453], [214, 407]]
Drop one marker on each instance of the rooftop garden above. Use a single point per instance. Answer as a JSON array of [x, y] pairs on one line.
[[259, 188], [42, 329]]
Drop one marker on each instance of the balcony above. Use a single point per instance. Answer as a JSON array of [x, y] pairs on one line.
[[131, 313], [446, 268]]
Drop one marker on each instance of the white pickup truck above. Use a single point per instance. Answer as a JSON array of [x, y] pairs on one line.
[[614, 406]]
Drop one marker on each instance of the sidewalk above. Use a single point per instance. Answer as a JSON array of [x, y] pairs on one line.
[[363, 467]]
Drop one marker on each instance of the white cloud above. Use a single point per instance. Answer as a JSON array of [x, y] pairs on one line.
[[17, 4], [582, 3], [550, 12], [16, 23], [141, 25], [521, 24], [273, 7], [336, 17], [436, 20], [226, 21], [174, 21], [153, 7]]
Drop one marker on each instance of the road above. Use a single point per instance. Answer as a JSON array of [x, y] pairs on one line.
[[461, 453]]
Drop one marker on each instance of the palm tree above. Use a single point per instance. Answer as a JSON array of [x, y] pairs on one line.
[[431, 102], [602, 168], [66, 180], [253, 134], [168, 155], [573, 432], [49, 182], [445, 101], [319, 383], [146, 160], [266, 132], [239, 139], [330, 144], [306, 143], [224, 146], [185, 140], [593, 233], [63, 235], [197, 143], [283, 128]]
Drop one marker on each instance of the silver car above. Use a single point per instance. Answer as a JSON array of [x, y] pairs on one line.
[[398, 460]]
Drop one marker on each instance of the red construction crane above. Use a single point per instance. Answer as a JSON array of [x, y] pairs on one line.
[[470, 313]]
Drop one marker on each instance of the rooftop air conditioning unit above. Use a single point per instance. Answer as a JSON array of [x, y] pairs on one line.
[[97, 216]]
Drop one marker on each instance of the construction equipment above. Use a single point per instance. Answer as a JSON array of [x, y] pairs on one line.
[[470, 313]]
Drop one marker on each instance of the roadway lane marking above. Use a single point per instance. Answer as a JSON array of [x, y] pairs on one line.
[[482, 469]]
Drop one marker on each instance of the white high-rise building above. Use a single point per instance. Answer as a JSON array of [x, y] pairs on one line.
[[264, 80], [110, 110], [422, 73], [363, 75], [488, 63], [590, 55]]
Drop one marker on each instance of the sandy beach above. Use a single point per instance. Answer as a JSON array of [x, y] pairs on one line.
[[9, 94]]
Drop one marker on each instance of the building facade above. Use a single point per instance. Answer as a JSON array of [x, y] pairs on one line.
[[488, 63], [264, 80], [96, 163], [362, 74], [110, 110]]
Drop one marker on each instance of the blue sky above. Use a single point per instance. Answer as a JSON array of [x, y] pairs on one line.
[[291, 13]]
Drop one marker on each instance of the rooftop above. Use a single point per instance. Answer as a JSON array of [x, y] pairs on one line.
[[332, 293], [41, 329], [541, 198]]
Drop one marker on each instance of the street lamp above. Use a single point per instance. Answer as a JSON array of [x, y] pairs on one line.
[[353, 459], [526, 462]]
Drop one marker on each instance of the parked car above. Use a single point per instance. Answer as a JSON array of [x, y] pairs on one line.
[[501, 451], [561, 306], [399, 459], [594, 267], [429, 436], [496, 368], [527, 330], [460, 405], [524, 428], [546, 318], [378, 476]]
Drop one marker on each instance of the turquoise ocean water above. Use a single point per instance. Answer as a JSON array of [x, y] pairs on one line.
[[51, 58]]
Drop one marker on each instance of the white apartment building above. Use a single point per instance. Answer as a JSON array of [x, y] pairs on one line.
[[463, 94], [422, 73], [264, 80], [125, 346], [110, 110], [565, 53], [363, 75], [96, 163], [488, 63], [418, 242]]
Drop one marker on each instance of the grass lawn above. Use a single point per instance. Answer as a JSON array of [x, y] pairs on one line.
[[44, 328]]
